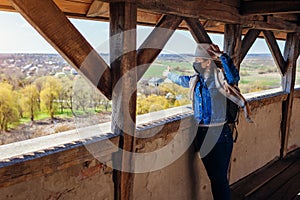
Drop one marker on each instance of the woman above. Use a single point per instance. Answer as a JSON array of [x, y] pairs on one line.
[[214, 140]]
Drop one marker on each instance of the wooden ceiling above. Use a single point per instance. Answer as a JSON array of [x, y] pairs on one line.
[[279, 16]]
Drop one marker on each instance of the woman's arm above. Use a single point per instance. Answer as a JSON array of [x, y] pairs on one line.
[[183, 81], [231, 72]]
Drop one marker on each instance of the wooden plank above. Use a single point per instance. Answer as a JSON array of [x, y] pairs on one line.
[[274, 48], [269, 7], [155, 42], [233, 42], [291, 53], [73, 7], [248, 41], [148, 18], [53, 25], [276, 183], [197, 30], [7, 8], [123, 18], [289, 190], [261, 177], [97, 8]]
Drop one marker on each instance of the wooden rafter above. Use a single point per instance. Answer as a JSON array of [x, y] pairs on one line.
[[274, 48], [156, 41], [248, 41], [291, 53], [202, 9], [269, 7], [54, 26], [219, 12], [123, 22]]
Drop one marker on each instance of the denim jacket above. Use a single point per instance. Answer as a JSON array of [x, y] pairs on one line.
[[208, 103]]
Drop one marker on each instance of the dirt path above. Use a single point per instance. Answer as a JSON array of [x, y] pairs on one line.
[[46, 127]]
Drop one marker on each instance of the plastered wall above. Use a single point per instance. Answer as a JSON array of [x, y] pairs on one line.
[[257, 143], [294, 134], [184, 178]]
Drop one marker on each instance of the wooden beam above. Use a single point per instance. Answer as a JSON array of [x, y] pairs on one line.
[[197, 30], [274, 48], [156, 41], [291, 53], [274, 24], [248, 41], [195, 9], [54, 26], [233, 42], [214, 10], [123, 20], [269, 7]]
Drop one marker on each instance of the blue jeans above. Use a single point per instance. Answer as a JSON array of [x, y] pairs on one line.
[[217, 160]]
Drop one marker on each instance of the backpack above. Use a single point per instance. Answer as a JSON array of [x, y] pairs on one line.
[[232, 110], [232, 116]]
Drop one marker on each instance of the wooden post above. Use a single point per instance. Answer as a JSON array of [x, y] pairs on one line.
[[123, 19], [291, 53], [233, 42], [232, 47]]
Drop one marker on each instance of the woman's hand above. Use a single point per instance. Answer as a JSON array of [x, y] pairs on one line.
[[167, 71], [215, 50]]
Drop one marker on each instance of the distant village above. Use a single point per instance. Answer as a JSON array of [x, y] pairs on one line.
[[24, 66], [29, 65]]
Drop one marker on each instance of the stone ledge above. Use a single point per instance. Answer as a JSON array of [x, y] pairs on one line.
[[41, 146]]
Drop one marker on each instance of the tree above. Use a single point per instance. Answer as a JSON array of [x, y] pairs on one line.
[[8, 106], [39, 85], [82, 96], [49, 95], [66, 94], [150, 104], [29, 100]]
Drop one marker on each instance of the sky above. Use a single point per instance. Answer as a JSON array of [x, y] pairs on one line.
[[18, 36]]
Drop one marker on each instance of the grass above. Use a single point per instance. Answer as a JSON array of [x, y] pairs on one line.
[[255, 74], [157, 68], [41, 116]]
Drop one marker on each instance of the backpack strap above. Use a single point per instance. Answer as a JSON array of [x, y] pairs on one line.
[[232, 93], [232, 127]]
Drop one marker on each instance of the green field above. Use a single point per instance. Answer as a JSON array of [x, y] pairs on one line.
[[256, 74]]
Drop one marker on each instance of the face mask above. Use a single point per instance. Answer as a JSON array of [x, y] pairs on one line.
[[198, 67]]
